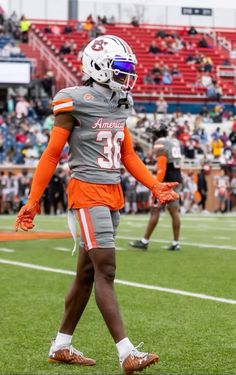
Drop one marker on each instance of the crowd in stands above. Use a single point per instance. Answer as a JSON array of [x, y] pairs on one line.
[[197, 142]]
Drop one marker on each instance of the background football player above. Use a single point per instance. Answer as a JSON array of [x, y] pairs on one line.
[[168, 153]]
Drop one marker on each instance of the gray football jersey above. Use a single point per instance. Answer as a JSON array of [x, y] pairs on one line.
[[170, 147], [95, 141]]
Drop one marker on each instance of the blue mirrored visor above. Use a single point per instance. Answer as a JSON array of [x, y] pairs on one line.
[[123, 66]]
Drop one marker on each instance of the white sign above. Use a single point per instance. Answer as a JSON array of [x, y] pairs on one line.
[[14, 72]]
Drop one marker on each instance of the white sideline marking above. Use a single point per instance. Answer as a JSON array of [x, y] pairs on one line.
[[123, 282], [221, 238], [6, 250], [120, 248], [61, 248], [193, 244]]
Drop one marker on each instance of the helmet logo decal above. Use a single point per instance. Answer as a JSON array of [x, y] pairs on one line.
[[98, 45]]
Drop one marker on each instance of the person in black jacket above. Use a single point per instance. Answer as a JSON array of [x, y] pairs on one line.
[[202, 188]]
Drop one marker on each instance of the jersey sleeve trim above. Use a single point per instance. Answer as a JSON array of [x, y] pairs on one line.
[[64, 107]]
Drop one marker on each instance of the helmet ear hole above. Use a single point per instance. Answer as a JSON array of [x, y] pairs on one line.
[[97, 67]]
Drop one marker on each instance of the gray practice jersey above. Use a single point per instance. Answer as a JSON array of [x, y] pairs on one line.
[[170, 147], [95, 141]]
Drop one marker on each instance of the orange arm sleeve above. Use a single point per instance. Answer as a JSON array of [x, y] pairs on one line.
[[48, 162], [133, 164], [161, 167]]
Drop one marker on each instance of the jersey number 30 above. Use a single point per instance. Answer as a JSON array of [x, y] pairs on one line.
[[111, 150]]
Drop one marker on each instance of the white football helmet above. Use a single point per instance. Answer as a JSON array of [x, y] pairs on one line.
[[109, 60]]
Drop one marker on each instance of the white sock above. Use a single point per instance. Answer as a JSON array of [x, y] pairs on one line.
[[144, 241], [124, 348], [175, 242], [62, 339]]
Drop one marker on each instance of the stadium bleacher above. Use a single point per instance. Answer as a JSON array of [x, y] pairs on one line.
[[140, 38]]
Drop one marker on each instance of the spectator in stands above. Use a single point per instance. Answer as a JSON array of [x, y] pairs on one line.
[[206, 64], [175, 70], [192, 31], [202, 43], [66, 48], [48, 83], [153, 48], [190, 59], [167, 78], [56, 30], [148, 78], [157, 73], [232, 135], [160, 34], [189, 46], [97, 30], [68, 29], [111, 20], [217, 147], [88, 25], [22, 107], [135, 21], [206, 79], [24, 28], [161, 105], [218, 92], [175, 46], [226, 62], [210, 91], [224, 138]]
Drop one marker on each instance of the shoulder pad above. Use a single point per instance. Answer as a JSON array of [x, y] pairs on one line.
[[63, 102]]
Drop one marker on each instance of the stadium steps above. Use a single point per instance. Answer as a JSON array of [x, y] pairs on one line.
[[39, 65]]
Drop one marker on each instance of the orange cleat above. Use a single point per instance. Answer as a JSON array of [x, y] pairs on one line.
[[138, 361], [69, 355]]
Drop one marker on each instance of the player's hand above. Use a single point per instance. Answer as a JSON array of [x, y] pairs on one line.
[[26, 216], [164, 192]]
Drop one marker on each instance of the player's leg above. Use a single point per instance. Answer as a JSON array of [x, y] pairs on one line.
[[152, 222], [79, 293], [104, 265], [174, 212], [101, 226], [75, 303]]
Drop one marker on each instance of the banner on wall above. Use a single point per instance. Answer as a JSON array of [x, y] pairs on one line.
[[196, 11]]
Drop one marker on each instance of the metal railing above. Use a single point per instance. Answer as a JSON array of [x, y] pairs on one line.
[[62, 73]]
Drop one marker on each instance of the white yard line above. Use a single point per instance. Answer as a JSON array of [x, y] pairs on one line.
[[62, 249], [192, 244], [6, 250], [124, 282], [222, 238]]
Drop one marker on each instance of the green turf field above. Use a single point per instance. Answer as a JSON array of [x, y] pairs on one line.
[[194, 333]]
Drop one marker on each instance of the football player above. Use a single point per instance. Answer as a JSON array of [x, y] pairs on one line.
[[168, 153], [92, 119]]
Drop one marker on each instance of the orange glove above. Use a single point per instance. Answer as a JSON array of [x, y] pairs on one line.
[[164, 193], [26, 215]]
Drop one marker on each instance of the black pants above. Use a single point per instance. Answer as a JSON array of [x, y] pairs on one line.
[[202, 201]]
